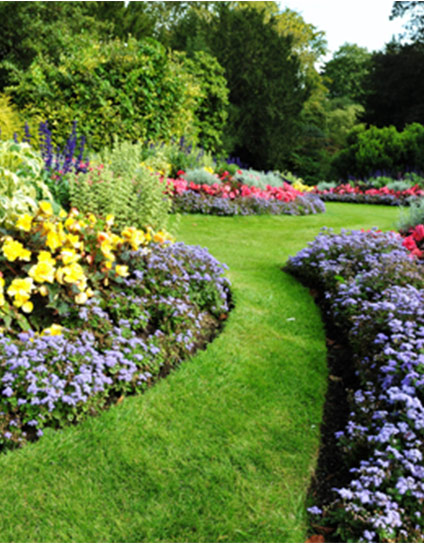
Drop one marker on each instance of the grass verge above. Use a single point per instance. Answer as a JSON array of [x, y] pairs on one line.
[[223, 449]]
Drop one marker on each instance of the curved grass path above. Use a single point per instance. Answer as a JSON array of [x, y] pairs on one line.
[[220, 451]]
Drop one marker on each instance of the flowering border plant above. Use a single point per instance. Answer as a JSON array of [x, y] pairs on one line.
[[229, 197], [355, 194], [374, 290], [90, 314]]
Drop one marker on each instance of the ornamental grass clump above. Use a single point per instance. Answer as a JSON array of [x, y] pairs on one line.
[[90, 312], [374, 290]]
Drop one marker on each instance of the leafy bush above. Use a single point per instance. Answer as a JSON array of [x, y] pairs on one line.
[[373, 149], [210, 114], [326, 185], [133, 198], [10, 122], [101, 313], [375, 292], [379, 181], [133, 90], [21, 181], [172, 157], [401, 185], [201, 176], [255, 178], [412, 216]]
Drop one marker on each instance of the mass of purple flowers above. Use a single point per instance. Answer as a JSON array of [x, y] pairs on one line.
[[374, 291], [114, 345], [194, 202]]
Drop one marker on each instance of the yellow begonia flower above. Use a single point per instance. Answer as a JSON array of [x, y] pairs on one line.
[[20, 284], [110, 219], [46, 257], [24, 222], [54, 240], [42, 272], [2, 282], [134, 237], [69, 256], [107, 265], [122, 270], [115, 240], [27, 307], [159, 237], [91, 218], [46, 208], [72, 225], [13, 250], [81, 298], [2, 300], [74, 241], [53, 330], [72, 273], [43, 290], [107, 250], [20, 289], [63, 214]]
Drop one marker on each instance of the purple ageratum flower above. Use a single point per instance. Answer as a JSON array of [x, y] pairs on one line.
[[380, 304], [7, 391]]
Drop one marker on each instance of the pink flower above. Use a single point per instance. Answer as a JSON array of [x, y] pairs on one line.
[[418, 233]]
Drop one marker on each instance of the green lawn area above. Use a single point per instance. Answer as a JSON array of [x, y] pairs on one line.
[[223, 449]]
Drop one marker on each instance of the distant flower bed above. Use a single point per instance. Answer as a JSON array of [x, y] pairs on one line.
[[234, 198], [374, 290], [385, 195], [91, 313]]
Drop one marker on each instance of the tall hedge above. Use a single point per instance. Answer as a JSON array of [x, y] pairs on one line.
[[133, 90]]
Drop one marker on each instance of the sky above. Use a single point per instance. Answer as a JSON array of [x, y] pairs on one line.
[[364, 22]]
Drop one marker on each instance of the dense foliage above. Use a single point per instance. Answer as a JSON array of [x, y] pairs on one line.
[[386, 149], [130, 89]]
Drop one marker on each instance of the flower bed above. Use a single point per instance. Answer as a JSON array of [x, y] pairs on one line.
[[90, 314], [374, 291], [390, 197], [232, 198]]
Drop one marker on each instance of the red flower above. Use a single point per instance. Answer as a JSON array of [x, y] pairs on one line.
[[418, 233], [409, 243]]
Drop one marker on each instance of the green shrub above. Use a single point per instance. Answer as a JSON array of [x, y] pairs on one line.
[[326, 185], [9, 118], [211, 111], [21, 181], [120, 185], [131, 89], [386, 149], [411, 216], [400, 185], [201, 176], [173, 156], [379, 181], [259, 179]]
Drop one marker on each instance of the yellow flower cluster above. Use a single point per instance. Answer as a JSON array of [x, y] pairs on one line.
[[299, 186], [73, 246]]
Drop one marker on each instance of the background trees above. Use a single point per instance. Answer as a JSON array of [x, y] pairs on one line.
[[240, 78]]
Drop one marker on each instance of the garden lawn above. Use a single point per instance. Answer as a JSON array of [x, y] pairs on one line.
[[223, 448]]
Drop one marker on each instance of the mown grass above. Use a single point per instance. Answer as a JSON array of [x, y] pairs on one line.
[[223, 449]]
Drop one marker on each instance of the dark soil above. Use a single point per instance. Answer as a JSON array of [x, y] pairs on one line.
[[331, 471]]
